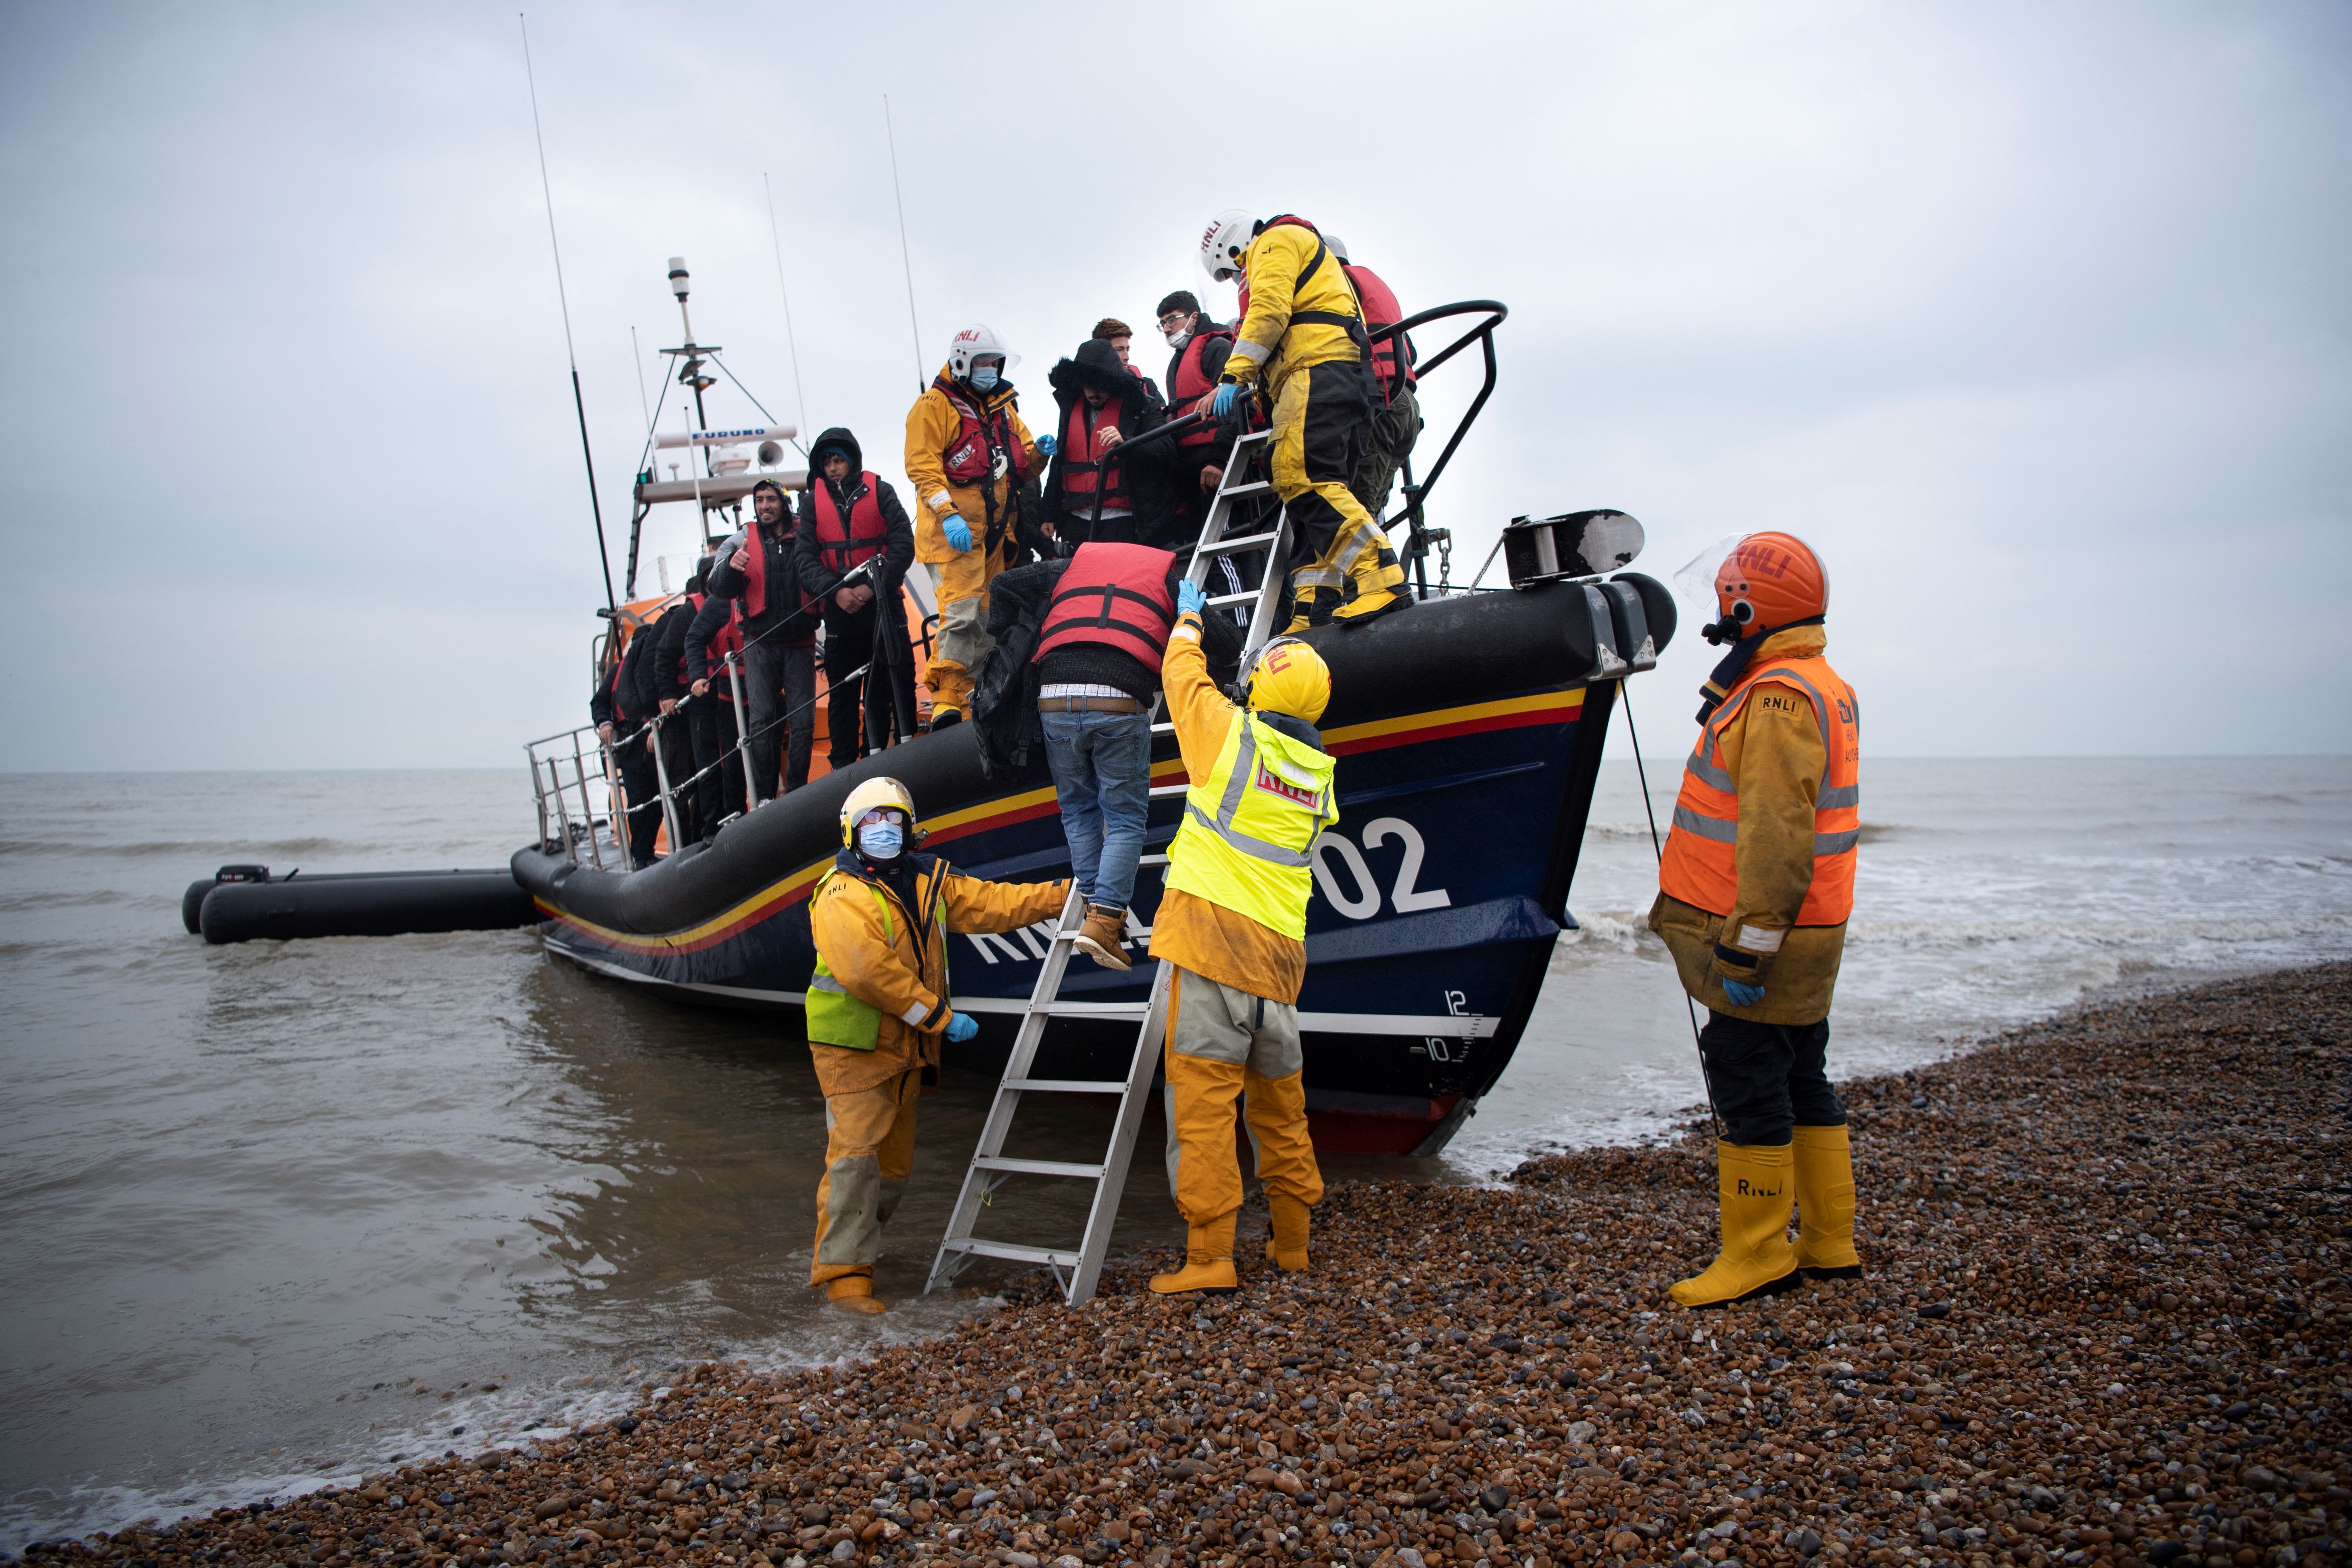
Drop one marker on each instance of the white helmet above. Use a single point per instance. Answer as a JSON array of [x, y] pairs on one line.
[[1224, 242], [978, 340], [1336, 246]]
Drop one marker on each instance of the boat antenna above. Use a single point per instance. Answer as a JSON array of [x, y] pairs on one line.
[[904, 258], [604, 555], [790, 341]]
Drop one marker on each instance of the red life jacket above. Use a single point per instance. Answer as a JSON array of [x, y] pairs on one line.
[[727, 639], [979, 441], [682, 677], [1381, 310], [754, 601], [846, 545], [1192, 385], [1116, 594], [1083, 456]]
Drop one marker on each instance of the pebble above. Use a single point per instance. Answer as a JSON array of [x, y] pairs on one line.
[[2105, 1325]]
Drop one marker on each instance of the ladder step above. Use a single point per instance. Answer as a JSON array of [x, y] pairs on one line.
[[1012, 1252], [1256, 488], [1234, 546], [1153, 860], [1093, 1009], [1066, 1085], [1165, 727], [1036, 1167], [1220, 600], [1165, 792]]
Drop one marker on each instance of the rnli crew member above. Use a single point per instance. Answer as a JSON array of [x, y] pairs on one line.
[[1102, 405], [779, 626], [850, 516], [878, 1007], [968, 455], [1396, 412], [1303, 331], [1232, 926], [715, 723], [1753, 895]]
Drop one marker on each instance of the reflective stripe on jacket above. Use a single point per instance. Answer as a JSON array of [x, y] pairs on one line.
[[1087, 605], [1700, 864], [1247, 825]]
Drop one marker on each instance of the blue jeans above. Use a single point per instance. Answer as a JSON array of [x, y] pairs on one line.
[[1102, 772]]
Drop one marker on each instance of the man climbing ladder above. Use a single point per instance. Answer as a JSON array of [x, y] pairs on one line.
[[1232, 928]]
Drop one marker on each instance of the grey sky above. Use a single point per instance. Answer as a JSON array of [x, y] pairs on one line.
[[2033, 318]]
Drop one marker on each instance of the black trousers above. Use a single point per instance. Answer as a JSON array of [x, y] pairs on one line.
[[779, 689], [639, 782], [721, 795], [1767, 1080], [678, 760], [861, 716]]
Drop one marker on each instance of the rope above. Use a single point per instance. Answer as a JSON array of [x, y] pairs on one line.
[[1657, 848]]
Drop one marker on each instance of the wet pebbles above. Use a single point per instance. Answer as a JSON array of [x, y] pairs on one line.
[[2105, 1324]]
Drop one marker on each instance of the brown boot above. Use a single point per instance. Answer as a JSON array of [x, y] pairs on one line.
[[854, 1293], [1286, 1247], [1103, 937], [1208, 1261]]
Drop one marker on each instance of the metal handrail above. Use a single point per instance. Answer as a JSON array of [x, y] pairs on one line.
[[1416, 495]]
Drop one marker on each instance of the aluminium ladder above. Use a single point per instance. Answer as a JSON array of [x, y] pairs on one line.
[[1077, 1269]]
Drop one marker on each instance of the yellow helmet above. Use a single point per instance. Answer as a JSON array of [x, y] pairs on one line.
[[1287, 676], [877, 794]]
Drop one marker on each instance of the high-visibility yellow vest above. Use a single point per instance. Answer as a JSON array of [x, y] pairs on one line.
[[1247, 825], [834, 1016]]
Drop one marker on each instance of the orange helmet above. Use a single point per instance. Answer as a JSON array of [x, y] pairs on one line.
[[1767, 581]]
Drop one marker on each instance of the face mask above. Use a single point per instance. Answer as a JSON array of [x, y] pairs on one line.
[[984, 378], [1177, 340], [881, 840]]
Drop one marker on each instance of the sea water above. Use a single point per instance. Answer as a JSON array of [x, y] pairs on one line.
[[283, 1212]]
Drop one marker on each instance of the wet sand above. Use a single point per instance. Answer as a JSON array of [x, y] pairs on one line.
[[2105, 1323]]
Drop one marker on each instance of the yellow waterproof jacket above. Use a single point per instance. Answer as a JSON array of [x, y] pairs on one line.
[[902, 972], [1188, 930], [933, 426], [1267, 336], [1774, 753]]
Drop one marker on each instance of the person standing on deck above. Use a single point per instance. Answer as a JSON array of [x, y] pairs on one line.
[[878, 1009], [779, 626], [968, 455], [1754, 891], [1302, 330], [850, 516], [1233, 927]]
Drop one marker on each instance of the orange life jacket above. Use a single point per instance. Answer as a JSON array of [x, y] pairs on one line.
[[1116, 594], [1700, 866], [845, 545], [1084, 457], [1192, 384], [979, 442]]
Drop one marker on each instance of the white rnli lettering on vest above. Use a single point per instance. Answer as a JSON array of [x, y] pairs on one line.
[[1298, 794]]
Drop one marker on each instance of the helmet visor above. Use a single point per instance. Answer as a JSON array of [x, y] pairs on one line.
[[1694, 583]]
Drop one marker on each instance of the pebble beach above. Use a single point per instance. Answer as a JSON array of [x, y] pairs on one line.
[[2105, 1323]]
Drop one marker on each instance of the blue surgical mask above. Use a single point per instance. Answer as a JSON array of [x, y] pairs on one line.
[[881, 840], [984, 378]]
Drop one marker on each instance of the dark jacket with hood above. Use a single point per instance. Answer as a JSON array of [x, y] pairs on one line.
[[1097, 366], [897, 555], [785, 586]]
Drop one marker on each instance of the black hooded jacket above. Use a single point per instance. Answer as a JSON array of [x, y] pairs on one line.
[[1096, 365], [784, 588], [897, 555], [1023, 594]]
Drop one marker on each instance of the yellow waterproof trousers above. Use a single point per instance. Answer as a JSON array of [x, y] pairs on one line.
[[1322, 426], [1223, 1044], [962, 584], [869, 1153]]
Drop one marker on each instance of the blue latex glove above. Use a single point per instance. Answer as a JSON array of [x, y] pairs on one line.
[[1743, 996], [959, 534], [1189, 598], [962, 1027], [1047, 444], [1223, 403]]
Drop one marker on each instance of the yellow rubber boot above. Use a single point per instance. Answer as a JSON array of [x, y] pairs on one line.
[[1286, 1247], [1208, 1261], [1754, 1190], [854, 1293], [1824, 1165]]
